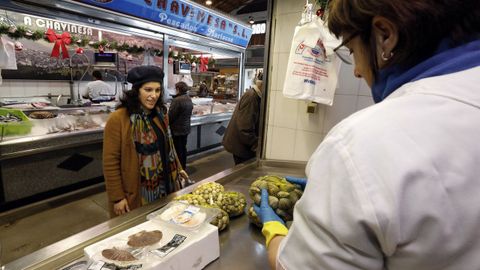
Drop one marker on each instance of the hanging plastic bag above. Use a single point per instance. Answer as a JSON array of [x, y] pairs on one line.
[[8, 58], [148, 58], [312, 68]]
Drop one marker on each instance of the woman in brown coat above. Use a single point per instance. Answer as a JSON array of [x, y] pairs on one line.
[[140, 164]]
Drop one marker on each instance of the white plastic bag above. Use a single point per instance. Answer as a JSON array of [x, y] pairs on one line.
[[8, 58], [312, 69]]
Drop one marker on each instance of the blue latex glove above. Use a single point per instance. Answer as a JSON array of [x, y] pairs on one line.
[[265, 211], [297, 180]]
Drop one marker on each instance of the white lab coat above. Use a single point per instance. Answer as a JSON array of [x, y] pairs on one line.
[[396, 185], [98, 88]]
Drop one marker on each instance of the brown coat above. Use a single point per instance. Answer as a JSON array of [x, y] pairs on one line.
[[121, 168], [241, 136]]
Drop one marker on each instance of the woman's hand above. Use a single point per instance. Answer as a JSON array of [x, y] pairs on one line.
[[184, 174], [121, 207]]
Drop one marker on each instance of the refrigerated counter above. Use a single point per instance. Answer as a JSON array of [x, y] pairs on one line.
[[48, 161], [241, 244]]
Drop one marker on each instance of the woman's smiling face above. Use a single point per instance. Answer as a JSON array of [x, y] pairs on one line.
[[149, 94]]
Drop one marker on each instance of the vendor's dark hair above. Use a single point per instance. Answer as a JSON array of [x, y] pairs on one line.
[[421, 24], [131, 100], [97, 74], [182, 87]]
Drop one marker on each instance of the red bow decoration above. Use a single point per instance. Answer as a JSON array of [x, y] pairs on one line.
[[60, 40], [203, 64]]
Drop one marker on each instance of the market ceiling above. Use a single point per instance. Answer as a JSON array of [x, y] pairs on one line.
[[237, 7]]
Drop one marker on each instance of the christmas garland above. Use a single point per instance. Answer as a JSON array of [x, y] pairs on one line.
[[15, 32], [18, 32]]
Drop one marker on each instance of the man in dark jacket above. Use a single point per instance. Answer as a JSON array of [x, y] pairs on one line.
[[179, 116], [241, 137]]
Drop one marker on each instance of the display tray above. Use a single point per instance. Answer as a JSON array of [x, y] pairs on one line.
[[176, 249], [14, 128]]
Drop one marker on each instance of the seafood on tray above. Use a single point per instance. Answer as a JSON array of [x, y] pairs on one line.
[[144, 238]]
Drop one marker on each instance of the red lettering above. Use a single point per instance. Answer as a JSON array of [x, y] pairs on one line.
[[185, 10], [161, 4], [201, 16], [148, 2], [174, 7], [223, 25], [209, 20]]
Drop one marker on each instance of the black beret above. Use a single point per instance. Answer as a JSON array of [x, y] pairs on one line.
[[143, 74]]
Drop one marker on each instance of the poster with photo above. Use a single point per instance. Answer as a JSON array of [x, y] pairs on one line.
[[34, 57]]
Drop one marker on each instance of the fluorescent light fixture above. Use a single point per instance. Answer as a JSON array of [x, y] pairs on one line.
[[208, 2]]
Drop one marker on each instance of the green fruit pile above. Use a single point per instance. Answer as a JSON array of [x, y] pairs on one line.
[[191, 199], [232, 202], [212, 194], [252, 215], [209, 191], [282, 195], [221, 220]]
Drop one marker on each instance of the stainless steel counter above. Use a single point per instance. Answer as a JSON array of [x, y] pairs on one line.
[[241, 244]]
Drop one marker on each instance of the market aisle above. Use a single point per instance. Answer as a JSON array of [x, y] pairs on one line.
[[26, 235]]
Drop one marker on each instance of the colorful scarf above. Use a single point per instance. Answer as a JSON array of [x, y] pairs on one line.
[[158, 163]]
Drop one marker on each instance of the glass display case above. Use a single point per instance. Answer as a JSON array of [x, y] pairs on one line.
[[61, 149]]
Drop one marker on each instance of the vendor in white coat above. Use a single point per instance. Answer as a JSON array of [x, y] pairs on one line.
[[396, 185], [98, 90]]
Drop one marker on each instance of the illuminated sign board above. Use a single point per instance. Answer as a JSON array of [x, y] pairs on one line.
[[259, 28], [183, 15]]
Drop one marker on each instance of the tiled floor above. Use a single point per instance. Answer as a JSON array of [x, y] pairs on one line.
[[26, 235]]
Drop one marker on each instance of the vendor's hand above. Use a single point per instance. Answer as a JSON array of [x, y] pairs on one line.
[[121, 207], [273, 225], [265, 212], [297, 180]]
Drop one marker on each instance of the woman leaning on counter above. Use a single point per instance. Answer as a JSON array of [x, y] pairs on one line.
[[140, 164]]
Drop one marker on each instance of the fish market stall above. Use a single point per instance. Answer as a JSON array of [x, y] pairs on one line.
[[58, 148]]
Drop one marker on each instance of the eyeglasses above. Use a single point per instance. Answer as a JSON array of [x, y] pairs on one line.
[[343, 54]]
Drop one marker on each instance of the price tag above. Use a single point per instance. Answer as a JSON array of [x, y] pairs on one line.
[[170, 246]]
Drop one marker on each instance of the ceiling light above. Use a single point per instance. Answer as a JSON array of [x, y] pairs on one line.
[[208, 2], [251, 20]]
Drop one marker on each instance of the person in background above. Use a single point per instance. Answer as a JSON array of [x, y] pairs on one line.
[[98, 90], [179, 114], [140, 164], [241, 136], [203, 89], [396, 185]]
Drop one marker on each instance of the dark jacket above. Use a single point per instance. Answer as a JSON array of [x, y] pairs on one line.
[[241, 137], [179, 115]]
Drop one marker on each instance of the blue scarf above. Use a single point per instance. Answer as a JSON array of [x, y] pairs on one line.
[[446, 60]]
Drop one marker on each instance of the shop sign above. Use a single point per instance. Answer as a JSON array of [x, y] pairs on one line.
[[183, 15], [42, 23], [57, 26]]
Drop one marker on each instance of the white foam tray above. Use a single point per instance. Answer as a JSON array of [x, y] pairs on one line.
[[199, 248]]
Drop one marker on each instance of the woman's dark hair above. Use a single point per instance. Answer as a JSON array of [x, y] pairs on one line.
[[182, 87], [131, 100], [421, 24]]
